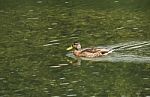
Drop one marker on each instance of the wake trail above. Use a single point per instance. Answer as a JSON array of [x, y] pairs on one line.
[[130, 46]]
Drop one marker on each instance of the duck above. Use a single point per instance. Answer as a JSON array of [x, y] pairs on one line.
[[88, 52]]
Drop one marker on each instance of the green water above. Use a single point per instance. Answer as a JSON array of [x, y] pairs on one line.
[[34, 36]]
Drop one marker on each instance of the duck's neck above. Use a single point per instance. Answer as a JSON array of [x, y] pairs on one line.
[[76, 52], [77, 49]]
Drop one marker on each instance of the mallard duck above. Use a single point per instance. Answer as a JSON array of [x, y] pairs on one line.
[[88, 52]]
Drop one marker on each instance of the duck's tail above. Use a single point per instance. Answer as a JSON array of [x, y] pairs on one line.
[[110, 51]]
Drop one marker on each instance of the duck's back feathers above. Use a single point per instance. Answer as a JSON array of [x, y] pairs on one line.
[[90, 50], [93, 52]]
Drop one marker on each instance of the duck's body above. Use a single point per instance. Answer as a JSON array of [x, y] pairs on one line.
[[88, 52]]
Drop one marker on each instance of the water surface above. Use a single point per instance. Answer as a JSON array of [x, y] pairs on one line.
[[34, 36]]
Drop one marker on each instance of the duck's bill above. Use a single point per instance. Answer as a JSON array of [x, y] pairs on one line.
[[69, 48]]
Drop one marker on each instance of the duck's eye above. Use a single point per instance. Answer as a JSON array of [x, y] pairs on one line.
[[76, 43]]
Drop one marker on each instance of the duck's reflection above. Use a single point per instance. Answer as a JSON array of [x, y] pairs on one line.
[[76, 62]]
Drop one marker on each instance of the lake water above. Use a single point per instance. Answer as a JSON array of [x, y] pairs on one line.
[[34, 36]]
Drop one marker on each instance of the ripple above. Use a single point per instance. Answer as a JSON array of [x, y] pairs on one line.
[[66, 2], [55, 40], [58, 66], [1, 11], [75, 81], [138, 46], [39, 2], [34, 75], [70, 90], [5, 81], [95, 73], [146, 88], [55, 66], [71, 95], [64, 83], [6, 95], [49, 28], [73, 37], [2, 78], [135, 28], [33, 18], [46, 91], [116, 1], [31, 10], [50, 44], [128, 45], [145, 78], [63, 64], [120, 28], [54, 24], [62, 78]]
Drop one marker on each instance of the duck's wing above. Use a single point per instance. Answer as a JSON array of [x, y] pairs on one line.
[[90, 50], [105, 51], [95, 50], [102, 50]]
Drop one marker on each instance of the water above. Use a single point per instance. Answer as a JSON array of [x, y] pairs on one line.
[[34, 36]]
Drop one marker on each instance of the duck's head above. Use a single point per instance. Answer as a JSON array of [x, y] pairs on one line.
[[75, 45]]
